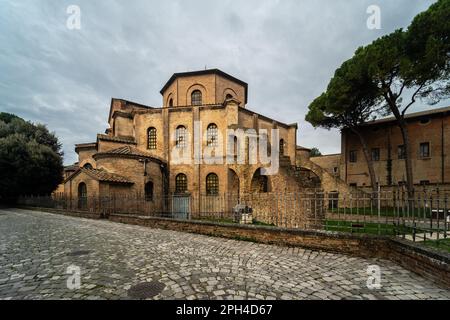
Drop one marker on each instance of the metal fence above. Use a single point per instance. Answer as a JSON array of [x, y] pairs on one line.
[[423, 217]]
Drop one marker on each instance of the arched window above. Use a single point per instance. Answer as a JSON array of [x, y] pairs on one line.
[[260, 182], [281, 147], [180, 136], [264, 184], [196, 98], [151, 138], [87, 166], [211, 135], [212, 184], [149, 191], [228, 96], [181, 183], [82, 196], [171, 102]]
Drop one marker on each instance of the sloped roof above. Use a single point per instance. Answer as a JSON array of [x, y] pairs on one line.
[[204, 72], [409, 116], [116, 139], [128, 151], [303, 148], [101, 175]]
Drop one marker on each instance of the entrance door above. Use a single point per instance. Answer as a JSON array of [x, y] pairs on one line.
[[180, 207]]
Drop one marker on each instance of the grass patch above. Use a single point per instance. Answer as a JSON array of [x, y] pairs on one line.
[[260, 223], [219, 220], [365, 227], [384, 212], [442, 244]]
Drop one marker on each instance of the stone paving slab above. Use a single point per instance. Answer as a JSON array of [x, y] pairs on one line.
[[36, 248]]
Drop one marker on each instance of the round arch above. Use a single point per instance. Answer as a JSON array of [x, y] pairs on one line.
[[229, 92], [194, 87], [260, 183], [169, 100]]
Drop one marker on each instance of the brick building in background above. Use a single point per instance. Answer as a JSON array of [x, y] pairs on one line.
[[429, 133]]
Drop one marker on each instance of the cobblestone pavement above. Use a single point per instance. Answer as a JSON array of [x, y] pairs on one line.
[[36, 248]]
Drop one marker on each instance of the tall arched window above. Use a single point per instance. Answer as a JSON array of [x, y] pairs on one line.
[[180, 183], [180, 136], [264, 184], [149, 191], [82, 196], [211, 135], [281, 147], [196, 98], [151, 138], [212, 184], [171, 102]]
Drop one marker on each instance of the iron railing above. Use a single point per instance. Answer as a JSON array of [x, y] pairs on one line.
[[423, 217]]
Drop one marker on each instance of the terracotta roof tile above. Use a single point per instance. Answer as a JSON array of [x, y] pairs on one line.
[[103, 175], [116, 139], [127, 151]]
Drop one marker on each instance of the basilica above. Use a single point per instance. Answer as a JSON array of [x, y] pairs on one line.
[[139, 154]]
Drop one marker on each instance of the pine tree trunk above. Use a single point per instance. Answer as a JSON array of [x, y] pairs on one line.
[[407, 145], [367, 155], [408, 158]]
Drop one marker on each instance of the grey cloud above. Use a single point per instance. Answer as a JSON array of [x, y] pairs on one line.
[[286, 51]]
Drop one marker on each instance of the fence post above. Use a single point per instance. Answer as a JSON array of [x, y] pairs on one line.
[[379, 208]]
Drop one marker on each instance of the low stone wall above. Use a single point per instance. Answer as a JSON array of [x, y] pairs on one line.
[[428, 263]]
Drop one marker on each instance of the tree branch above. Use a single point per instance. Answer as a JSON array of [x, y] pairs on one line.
[[413, 99]]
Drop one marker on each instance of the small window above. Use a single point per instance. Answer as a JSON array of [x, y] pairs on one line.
[[281, 147], [335, 170], [171, 102], [353, 156], [180, 134], [82, 196], [424, 150], [424, 121], [401, 152], [87, 166], [212, 184], [424, 182], [263, 184], [353, 185], [228, 96], [151, 133], [149, 191], [211, 135], [181, 183], [402, 183], [375, 154], [196, 98]]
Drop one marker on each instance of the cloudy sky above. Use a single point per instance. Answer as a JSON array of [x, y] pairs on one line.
[[285, 50]]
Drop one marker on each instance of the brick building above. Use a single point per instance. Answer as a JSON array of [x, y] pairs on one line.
[[429, 132], [152, 151]]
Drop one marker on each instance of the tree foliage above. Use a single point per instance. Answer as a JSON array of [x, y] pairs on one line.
[[315, 152], [30, 158], [389, 75]]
